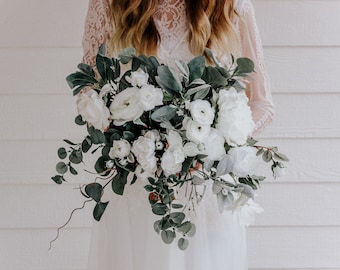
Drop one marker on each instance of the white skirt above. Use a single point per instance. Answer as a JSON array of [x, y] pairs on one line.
[[124, 239]]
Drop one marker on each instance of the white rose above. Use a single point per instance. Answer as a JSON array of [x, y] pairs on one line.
[[126, 107], [214, 145], [196, 132], [243, 160], [234, 120], [202, 112], [120, 149], [93, 110], [143, 147], [138, 78], [150, 97]]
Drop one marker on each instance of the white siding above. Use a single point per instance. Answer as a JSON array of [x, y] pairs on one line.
[[40, 45]]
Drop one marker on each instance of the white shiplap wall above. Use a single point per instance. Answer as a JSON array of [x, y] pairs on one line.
[[40, 45]]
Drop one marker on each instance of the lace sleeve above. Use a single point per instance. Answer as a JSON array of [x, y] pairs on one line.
[[98, 27], [260, 98]]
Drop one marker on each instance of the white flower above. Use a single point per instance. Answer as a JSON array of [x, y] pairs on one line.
[[143, 147], [120, 149], [142, 174], [246, 212], [243, 160], [234, 117], [93, 110], [153, 135], [126, 106], [150, 97], [174, 156], [202, 112], [191, 149], [148, 164], [214, 145], [279, 171], [138, 78], [196, 132]]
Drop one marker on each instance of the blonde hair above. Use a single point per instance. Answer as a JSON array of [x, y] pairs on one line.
[[210, 22]]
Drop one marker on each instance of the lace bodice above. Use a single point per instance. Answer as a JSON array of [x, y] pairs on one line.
[[170, 20]]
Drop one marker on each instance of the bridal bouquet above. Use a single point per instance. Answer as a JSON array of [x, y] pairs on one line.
[[179, 130]]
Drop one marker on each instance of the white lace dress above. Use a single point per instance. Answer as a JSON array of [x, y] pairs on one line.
[[125, 239]]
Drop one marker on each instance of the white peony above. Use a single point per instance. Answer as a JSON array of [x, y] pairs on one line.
[[120, 149], [150, 97], [126, 106], [138, 78], [243, 160], [202, 112], [143, 147], [196, 132], [234, 120], [214, 145], [93, 110]]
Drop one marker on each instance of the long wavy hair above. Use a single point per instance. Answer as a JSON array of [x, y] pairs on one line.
[[210, 22]]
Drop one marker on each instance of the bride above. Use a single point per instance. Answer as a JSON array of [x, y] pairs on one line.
[[124, 239]]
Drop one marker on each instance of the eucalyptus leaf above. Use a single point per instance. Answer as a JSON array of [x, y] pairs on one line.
[[196, 89], [70, 143], [100, 165], [267, 156], [157, 226], [183, 243], [196, 67], [86, 144], [176, 206], [99, 210], [76, 156], [58, 179], [97, 136], [168, 236], [94, 191], [87, 69], [164, 113], [62, 154], [281, 156], [183, 67], [126, 55], [168, 81], [79, 120], [73, 170], [177, 217], [224, 166], [119, 181], [61, 167], [245, 65], [159, 209], [202, 94]]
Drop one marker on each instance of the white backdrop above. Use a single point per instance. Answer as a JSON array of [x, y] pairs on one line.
[[40, 45]]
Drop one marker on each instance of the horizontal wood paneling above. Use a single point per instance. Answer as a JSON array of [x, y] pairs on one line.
[[27, 249], [294, 247], [298, 22], [42, 23]]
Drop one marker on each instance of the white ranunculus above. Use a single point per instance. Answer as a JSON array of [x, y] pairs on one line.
[[196, 132], [172, 162], [143, 147], [120, 149], [126, 107], [174, 156], [202, 112], [243, 160], [191, 149], [150, 97], [234, 120], [93, 110], [214, 145], [138, 78]]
